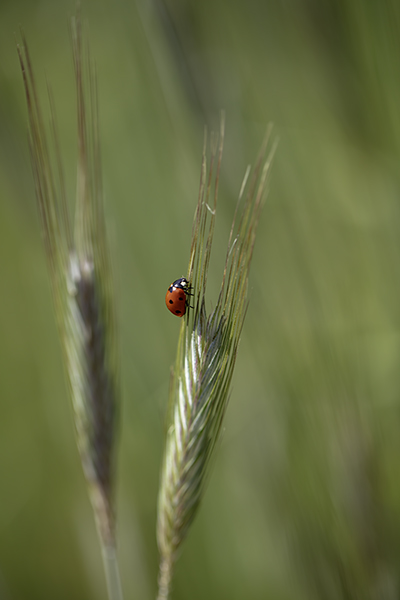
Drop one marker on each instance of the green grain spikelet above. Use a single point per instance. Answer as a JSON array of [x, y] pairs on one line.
[[206, 356], [80, 275]]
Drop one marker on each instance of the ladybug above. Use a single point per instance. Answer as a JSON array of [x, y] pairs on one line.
[[177, 295]]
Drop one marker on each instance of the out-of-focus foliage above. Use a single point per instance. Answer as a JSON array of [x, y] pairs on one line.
[[304, 500]]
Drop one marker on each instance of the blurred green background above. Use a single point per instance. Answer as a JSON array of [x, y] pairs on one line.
[[304, 499]]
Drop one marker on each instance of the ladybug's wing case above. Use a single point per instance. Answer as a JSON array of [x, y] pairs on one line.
[[175, 300]]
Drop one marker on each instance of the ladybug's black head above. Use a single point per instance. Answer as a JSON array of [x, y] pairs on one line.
[[181, 283]]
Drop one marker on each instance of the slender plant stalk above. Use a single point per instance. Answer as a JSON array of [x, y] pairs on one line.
[[206, 356], [81, 282], [111, 569]]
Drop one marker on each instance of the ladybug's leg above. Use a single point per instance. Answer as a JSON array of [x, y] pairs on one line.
[[188, 305]]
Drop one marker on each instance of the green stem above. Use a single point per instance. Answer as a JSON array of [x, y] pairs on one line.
[[111, 569], [164, 578]]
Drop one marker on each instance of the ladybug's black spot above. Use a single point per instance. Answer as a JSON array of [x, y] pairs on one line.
[[171, 301], [177, 312], [180, 298]]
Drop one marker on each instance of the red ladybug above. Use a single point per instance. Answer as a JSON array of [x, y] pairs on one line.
[[177, 295]]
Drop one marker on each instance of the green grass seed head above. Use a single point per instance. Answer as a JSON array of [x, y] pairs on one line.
[[80, 275], [206, 356]]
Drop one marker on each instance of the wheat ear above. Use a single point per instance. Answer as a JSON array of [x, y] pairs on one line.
[[206, 355], [80, 276]]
